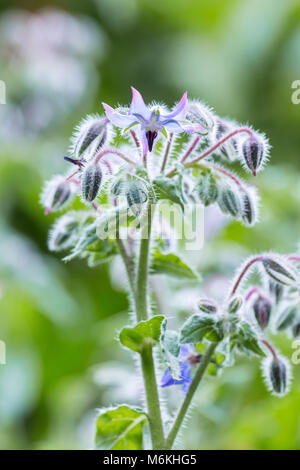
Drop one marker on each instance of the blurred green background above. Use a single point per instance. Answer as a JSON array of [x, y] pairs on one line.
[[59, 60]]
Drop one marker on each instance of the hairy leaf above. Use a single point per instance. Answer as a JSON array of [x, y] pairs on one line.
[[144, 333], [120, 428], [171, 264]]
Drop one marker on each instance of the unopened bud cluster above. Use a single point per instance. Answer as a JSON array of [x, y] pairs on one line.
[[130, 157]]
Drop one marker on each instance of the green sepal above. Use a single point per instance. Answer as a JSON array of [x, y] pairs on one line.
[[198, 327], [246, 340]]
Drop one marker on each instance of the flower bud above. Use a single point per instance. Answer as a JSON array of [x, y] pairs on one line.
[[262, 310], [56, 194], [118, 187], [235, 304], [279, 270], [278, 376], [207, 306], [296, 329], [229, 148], [136, 195], [63, 233], [253, 151], [91, 178], [229, 201], [92, 132], [287, 318], [207, 188], [198, 112], [277, 290], [249, 208]]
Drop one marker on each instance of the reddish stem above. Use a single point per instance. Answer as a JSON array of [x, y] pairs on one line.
[[251, 292], [108, 165], [270, 347], [190, 149], [136, 140], [243, 272], [227, 173], [218, 144], [294, 258], [166, 154], [115, 152]]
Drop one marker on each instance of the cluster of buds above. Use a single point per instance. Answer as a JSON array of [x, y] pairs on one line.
[[133, 156]]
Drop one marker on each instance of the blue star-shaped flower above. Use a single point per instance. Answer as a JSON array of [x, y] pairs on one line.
[[189, 358], [150, 121]]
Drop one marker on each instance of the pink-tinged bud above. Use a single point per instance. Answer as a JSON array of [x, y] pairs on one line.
[[91, 178], [262, 310], [254, 152], [280, 270], [207, 306], [57, 194]]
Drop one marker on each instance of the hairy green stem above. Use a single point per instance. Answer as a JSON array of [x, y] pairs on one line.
[[152, 399], [140, 294], [128, 262], [189, 396]]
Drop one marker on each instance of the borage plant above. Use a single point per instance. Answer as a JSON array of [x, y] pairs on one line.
[[126, 163]]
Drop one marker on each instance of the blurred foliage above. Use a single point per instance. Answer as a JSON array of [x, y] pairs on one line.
[[59, 321]]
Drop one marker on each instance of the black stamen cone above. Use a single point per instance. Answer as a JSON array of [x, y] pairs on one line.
[[151, 136]]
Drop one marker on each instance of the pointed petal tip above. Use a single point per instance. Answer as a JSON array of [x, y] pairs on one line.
[[107, 107]]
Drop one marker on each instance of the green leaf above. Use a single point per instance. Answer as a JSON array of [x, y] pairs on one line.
[[198, 327], [171, 264], [145, 333], [170, 348], [120, 429], [245, 340], [167, 188]]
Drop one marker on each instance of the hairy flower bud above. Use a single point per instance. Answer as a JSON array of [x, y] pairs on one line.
[[136, 195], [296, 329], [249, 207], [91, 133], [229, 148], [207, 188], [262, 310], [287, 318], [118, 187], [254, 152], [198, 112], [277, 290], [207, 306], [235, 304], [279, 270], [278, 376], [91, 178], [229, 201], [63, 233], [56, 194]]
